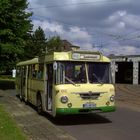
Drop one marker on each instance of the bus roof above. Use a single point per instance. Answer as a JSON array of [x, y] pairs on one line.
[[86, 56], [28, 62], [89, 56]]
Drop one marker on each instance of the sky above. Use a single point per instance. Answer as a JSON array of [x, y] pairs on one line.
[[109, 26]]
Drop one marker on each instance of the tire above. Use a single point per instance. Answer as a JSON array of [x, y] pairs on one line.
[[39, 105], [21, 98], [26, 102]]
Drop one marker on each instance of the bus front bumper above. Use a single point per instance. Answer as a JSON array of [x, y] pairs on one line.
[[66, 111]]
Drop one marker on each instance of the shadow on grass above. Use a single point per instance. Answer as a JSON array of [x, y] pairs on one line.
[[5, 84]]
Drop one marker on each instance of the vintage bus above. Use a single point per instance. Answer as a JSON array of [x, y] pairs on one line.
[[72, 82]]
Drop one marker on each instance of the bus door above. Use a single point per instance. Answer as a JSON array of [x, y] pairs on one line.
[[23, 81], [49, 86], [28, 82]]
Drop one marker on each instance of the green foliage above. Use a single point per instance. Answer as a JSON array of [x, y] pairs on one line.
[[17, 42], [15, 26], [54, 44], [8, 128], [36, 44]]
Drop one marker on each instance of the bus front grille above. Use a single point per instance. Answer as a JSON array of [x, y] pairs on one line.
[[89, 95]]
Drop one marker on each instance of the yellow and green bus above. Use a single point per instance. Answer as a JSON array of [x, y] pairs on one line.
[[61, 83]]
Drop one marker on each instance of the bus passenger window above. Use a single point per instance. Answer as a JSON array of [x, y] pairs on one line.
[[18, 71], [40, 71], [34, 71]]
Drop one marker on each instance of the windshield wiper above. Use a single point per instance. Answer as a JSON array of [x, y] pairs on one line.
[[68, 79], [99, 81]]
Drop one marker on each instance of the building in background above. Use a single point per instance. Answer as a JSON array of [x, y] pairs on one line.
[[67, 46], [125, 69]]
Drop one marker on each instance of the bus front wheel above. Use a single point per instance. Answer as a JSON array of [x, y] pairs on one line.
[[39, 104]]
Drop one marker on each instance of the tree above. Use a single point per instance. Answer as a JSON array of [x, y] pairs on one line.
[[36, 45], [15, 26], [54, 44]]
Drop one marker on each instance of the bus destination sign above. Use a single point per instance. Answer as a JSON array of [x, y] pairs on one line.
[[86, 56]]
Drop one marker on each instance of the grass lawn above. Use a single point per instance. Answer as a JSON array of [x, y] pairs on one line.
[[8, 128], [6, 78]]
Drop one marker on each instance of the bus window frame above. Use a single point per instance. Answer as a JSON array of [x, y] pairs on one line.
[[58, 80], [35, 73], [96, 76]]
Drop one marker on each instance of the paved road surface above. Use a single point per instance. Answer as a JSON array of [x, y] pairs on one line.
[[124, 124], [34, 126]]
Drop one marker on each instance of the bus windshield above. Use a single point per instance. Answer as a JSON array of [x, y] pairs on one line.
[[71, 73], [75, 72], [99, 72]]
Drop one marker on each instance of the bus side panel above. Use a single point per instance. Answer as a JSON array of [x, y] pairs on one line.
[[35, 86]]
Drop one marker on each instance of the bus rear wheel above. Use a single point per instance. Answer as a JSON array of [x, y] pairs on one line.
[[21, 98], [39, 105]]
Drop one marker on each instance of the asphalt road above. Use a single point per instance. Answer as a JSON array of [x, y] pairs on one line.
[[124, 124]]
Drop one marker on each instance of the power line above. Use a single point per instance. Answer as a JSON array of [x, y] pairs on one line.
[[132, 38], [116, 37], [72, 4], [67, 24], [57, 20], [73, 25], [124, 35]]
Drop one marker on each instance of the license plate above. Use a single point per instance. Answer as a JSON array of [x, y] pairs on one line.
[[89, 105]]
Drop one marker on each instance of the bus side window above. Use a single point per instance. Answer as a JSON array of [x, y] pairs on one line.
[[24, 71], [34, 71], [29, 71], [40, 71], [37, 71], [18, 71]]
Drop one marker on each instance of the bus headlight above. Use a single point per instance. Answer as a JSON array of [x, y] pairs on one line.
[[64, 99], [112, 98]]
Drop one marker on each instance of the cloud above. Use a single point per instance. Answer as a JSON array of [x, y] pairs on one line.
[[97, 22], [123, 20], [132, 21], [48, 26], [76, 35], [117, 16], [115, 23]]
